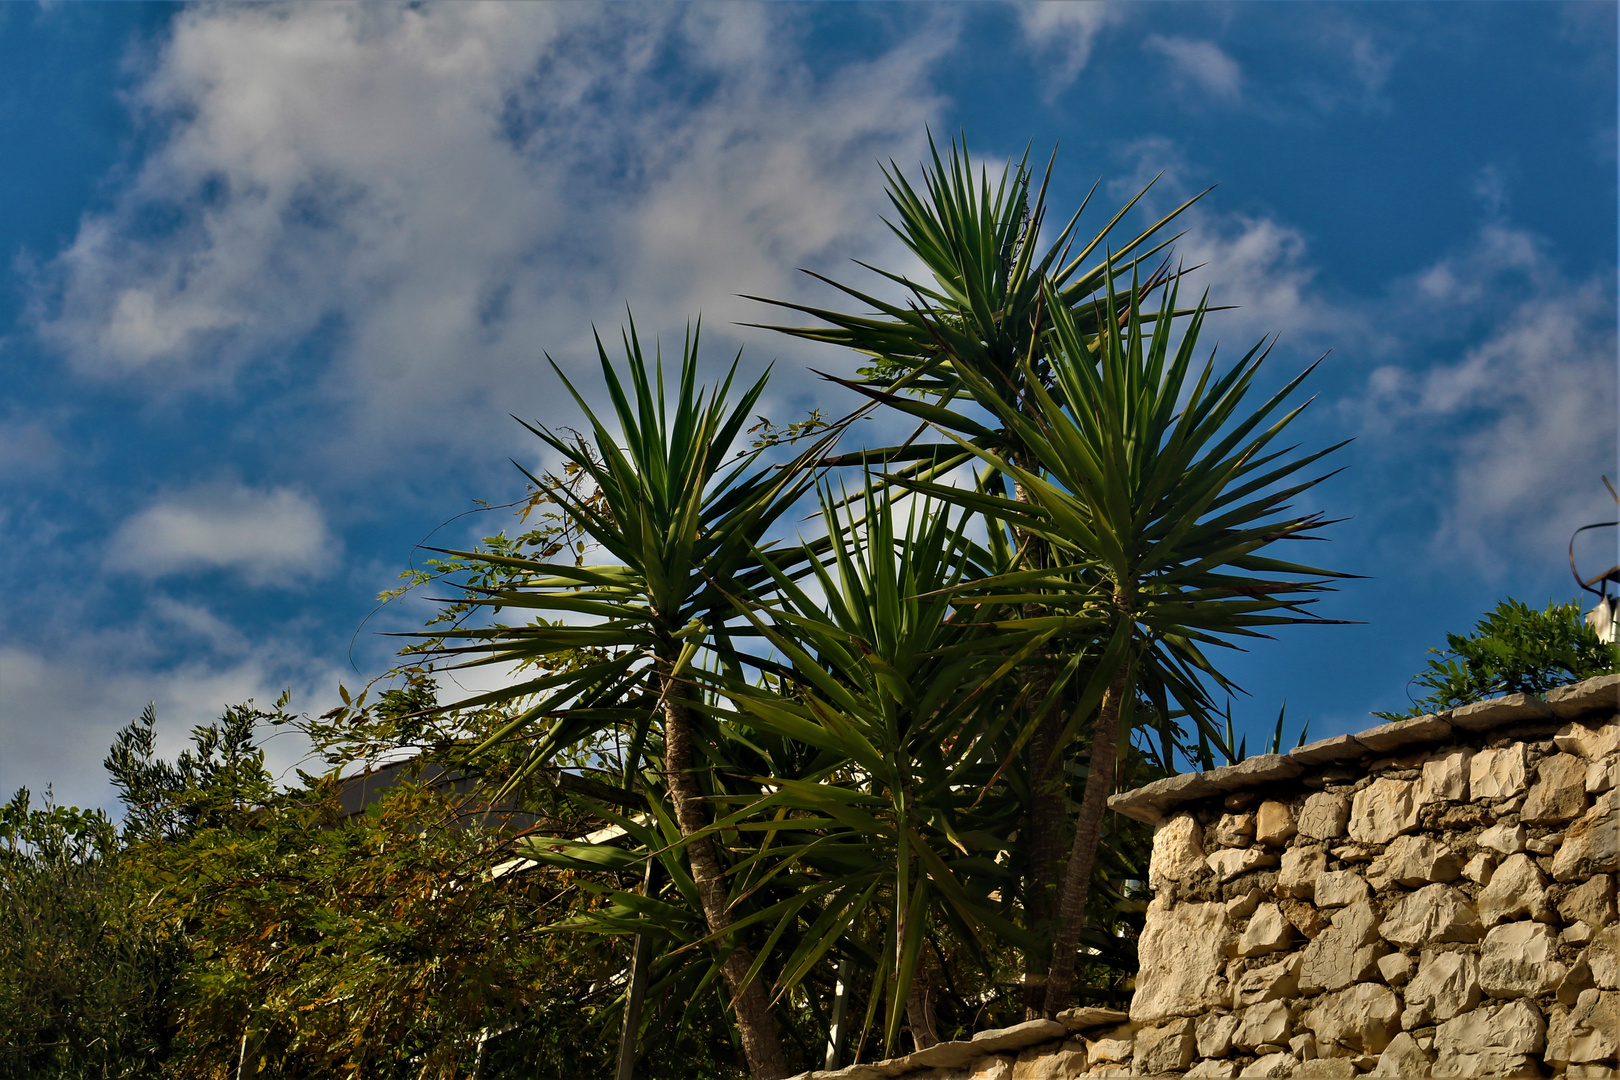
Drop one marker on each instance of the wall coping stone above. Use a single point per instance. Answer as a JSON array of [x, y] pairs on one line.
[[952, 1055], [1151, 802]]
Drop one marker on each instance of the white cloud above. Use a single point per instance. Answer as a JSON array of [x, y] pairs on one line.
[[1531, 402], [1068, 30], [1200, 65], [436, 194], [268, 537]]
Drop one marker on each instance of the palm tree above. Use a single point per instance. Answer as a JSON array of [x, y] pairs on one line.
[[682, 520]]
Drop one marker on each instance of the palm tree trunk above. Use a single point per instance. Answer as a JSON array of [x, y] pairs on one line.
[[1083, 854], [757, 1027], [920, 1008]]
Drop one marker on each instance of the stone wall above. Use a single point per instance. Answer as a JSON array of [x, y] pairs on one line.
[[1433, 897]]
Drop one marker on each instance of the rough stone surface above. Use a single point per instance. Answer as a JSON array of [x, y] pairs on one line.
[[1213, 1068], [1361, 1019], [1267, 932], [1602, 776], [1324, 816], [1445, 777], [1508, 709], [1232, 830], [1499, 773], [1300, 869], [1432, 915], [1517, 889], [1591, 695], [1182, 955], [1338, 1068], [1277, 1064], [1396, 968], [1116, 1045], [1480, 868], [1213, 1034], [1345, 953], [1229, 863], [1383, 810], [1402, 1057], [1511, 1029], [1263, 1024], [1591, 742], [1591, 903], [1603, 957], [1591, 845], [1506, 838], [1446, 985], [1559, 793], [1018, 1036], [1081, 1019], [1517, 960], [1417, 731], [1340, 888], [1273, 982], [1039, 1063], [1178, 851], [1166, 1048], [1274, 823], [1587, 1033], [1413, 861]]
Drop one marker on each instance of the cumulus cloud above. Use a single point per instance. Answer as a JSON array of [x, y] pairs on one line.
[[267, 537], [1531, 401], [1202, 66], [1067, 31], [424, 198]]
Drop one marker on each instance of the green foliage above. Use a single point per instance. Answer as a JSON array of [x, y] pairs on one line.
[[1513, 649]]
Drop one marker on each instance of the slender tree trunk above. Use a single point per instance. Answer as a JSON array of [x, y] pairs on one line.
[[920, 1008], [1083, 854], [1048, 810], [757, 1027]]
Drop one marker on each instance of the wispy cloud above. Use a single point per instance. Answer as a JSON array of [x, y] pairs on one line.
[[1200, 66], [266, 537], [497, 177], [1066, 31]]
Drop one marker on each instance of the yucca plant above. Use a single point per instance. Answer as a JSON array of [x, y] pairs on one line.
[[1157, 488], [983, 319], [897, 696], [682, 520]]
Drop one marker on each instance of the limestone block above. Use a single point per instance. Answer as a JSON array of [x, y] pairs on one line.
[[1085, 1018], [1576, 934], [1335, 1068], [1232, 830], [1166, 1048], [1507, 709], [1361, 1019], [1274, 982], [945, 1055], [1518, 959], [1267, 932], [1324, 816], [1499, 773], [1445, 777], [1480, 868], [1383, 810], [1274, 824], [1223, 1070], [1559, 793], [1116, 1045], [1505, 838], [1278, 1064], [1041, 1063], [1339, 888], [1029, 1033], [1255, 772], [1413, 861], [1603, 957], [1514, 1028], [1432, 915], [1241, 907], [1306, 918], [1590, 1032], [1591, 845], [1178, 851], [1396, 968], [1347, 952], [1229, 863], [1262, 1024], [1213, 1034], [1182, 951], [1403, 1058], [1518, 889], [1601, 694], [1303, 1045], [1589, 741], [1602, 776], [1446, 985], [995, 1067], [1300, 867]]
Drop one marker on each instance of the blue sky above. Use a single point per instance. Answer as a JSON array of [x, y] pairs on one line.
[[275, 275]]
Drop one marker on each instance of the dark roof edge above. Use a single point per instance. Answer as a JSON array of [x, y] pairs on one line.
[[1150, 802]]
